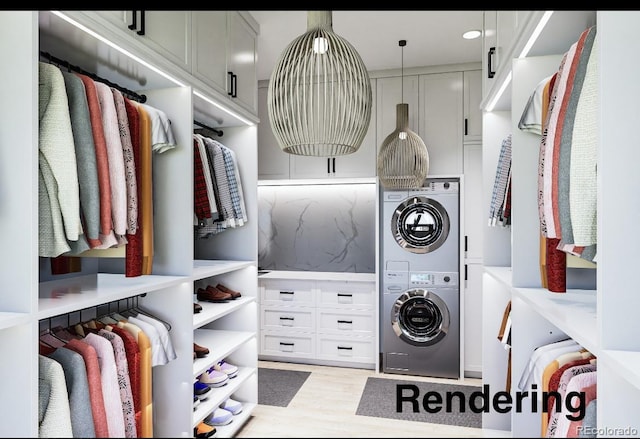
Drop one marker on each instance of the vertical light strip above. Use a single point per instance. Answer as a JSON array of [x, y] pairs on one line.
[[536, 33], [115, 46], [498, 95]]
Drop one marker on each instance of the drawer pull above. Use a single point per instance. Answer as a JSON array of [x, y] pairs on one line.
[[286, 321], [286, 347], [345, 348], [282, 343], [286, 318], [287, 292], [345, 295], [345, 321]]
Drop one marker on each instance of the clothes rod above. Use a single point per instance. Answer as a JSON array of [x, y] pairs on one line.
[[207, 127], [60, 63]]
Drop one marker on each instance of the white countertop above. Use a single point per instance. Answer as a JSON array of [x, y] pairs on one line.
[[318, 275]]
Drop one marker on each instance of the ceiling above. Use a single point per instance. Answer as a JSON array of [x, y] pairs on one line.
[[433, 37]]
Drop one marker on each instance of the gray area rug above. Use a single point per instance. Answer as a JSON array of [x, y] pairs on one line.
[[390, 398], [278, 387]]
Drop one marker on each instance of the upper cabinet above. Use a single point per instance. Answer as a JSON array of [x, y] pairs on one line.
[[273, 162], [472, 97], [224, 54]]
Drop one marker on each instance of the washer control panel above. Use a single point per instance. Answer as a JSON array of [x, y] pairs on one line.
[[395, 281]]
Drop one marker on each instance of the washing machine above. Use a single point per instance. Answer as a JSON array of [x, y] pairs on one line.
[[419, 278]]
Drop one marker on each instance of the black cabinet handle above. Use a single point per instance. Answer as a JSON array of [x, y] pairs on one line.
[[230, 91], [490, 72], [134, 20], [345, 295], [142, 26], [287, 292], [345, 321], [466, 126], [328, 166], [346, 348], [466, 243], [466, 272], [286, 318], [334, 165], [286, 344], [234, 86]]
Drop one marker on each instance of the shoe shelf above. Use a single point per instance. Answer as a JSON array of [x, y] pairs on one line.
[[239, 420], [207, 268], [217, 395], [63, 296], [220, 344], [213, 311]]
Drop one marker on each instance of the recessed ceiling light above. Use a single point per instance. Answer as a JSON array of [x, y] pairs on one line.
[[472, 34]]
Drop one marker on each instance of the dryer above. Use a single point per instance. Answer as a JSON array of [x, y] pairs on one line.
[[419, 278]]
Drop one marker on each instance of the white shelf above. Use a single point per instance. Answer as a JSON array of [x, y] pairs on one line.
[[203, 269], [573, 312], [218, 394], [501, 274], [212, 311], [319, 275], [220, 344], [626, 362], [9, 319], [71, 294]]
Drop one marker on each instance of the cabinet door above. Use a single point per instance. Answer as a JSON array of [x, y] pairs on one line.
[[168, 33], [441, 121], [121, 19], [472, 99], [273, 163], [473, 320], [241, 61], [474, 217], [489, 55], [389, 93], [210, 48]]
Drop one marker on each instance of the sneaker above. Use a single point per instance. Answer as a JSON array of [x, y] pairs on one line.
[[233, 406], [219, 417], [229, 369], [201, 390], [204, 431], [196, 401], [213, 378]]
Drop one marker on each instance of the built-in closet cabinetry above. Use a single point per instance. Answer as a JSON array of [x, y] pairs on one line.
[[273, 162], [318, 318], [34, 299], [598, 308]]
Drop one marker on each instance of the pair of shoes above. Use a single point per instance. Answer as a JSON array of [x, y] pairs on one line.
[[196, 401], [232, 405], [222, 366], [213, 378], [204, 431], [212, 294], [234, 294], [219, 417], [220, 292], [201, 390], [200, 351], [196, 308]]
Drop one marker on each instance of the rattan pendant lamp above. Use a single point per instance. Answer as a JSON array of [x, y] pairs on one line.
[[403, 159], [319, 96]]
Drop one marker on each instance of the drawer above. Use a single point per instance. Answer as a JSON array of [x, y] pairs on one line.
[[291, 292], [346, 294], [350, 348], [282, 317], [288, 345], [354, 321]]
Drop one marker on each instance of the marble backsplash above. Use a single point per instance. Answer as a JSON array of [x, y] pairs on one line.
[[317, 227]]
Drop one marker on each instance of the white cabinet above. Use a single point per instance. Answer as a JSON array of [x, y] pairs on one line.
[[241, 61], [473, 320], [440, 121], [210, 48], [472, 91], [489, 56], [314, 320], [361, 163], [474, 204], [34, 298], [273, 162]]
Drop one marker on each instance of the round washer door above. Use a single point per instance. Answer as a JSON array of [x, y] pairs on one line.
[[420, 317], [420, 224]]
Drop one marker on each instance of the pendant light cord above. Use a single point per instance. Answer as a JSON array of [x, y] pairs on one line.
[[402, 43]]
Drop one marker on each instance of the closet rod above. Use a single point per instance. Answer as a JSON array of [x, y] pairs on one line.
[[60, 62], [207, 127]]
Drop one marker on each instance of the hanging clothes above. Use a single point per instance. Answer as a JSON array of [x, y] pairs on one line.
[[54, 414]]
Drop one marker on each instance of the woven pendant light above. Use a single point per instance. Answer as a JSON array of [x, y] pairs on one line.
[[319, 96], [403, 159]]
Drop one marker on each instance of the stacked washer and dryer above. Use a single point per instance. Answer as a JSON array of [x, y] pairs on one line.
[[420, 279]]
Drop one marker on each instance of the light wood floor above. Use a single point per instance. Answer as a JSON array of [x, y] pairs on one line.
[[326, 404]]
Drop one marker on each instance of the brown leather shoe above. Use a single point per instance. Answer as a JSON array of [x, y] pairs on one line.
[[196, 308], [212, 294], [200, 351], [234, 294]]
